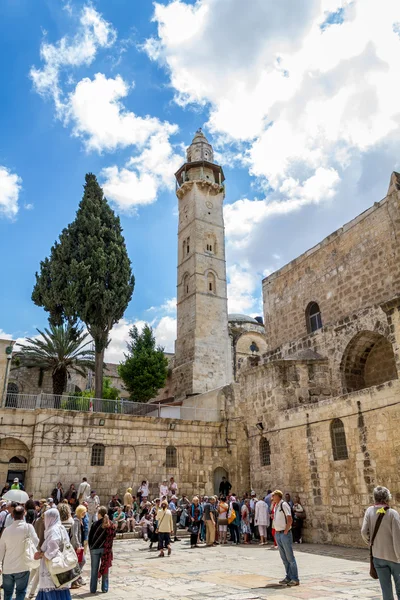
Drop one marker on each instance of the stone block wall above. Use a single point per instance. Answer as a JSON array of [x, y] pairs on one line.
[[355, 267], [58, 446]]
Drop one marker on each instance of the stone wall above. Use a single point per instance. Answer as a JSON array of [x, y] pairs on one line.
[[58, 446], [355, 267]]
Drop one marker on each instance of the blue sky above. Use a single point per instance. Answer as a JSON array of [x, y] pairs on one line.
[[298, 98]]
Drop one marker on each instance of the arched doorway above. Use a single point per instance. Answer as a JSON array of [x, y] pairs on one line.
[[219, 473], [14, 460], [367, 361]]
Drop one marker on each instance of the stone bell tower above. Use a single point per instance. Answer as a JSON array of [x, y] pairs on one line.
[[202, 350]]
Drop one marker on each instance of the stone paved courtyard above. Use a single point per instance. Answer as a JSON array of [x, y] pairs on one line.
[[235, 573]]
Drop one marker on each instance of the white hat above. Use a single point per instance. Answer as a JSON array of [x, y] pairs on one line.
[[16, 480], [252, 493]]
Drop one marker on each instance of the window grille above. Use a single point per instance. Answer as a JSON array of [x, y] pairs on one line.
[[338, 436], [265, 453], [171, 458], [98, 455]]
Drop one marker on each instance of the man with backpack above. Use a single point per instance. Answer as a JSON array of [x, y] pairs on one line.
[[283, 534]]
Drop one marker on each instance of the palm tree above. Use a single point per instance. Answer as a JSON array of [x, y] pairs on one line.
[[60, 349]]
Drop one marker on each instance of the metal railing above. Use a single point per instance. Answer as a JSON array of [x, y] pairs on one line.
[[101, 405]]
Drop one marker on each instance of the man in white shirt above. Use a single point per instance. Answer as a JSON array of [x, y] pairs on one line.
[[283, 535], [93, 505], [83, 491], [164, 489], [13, 556]]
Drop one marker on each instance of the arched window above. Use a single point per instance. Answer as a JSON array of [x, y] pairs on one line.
[[338, 437], [188, 245], [265, 453], [17, 459], [12, 395], [211, 287], [171, 458], [313, 317], [98, 455], [185, 284]]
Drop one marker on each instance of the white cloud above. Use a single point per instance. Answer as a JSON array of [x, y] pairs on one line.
[[10, 187], [242, 287], [93, 33], [165, 332], [5, 336]]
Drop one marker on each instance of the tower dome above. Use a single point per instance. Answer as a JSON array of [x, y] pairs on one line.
[[200, 148]]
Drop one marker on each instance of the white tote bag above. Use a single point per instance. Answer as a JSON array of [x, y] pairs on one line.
[[30, 550], [63, 561]]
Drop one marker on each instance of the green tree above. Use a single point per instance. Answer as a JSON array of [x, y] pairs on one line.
[[109, 392], [60, 350], [145, 369], [88, 275]]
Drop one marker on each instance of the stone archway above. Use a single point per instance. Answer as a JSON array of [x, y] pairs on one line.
[[367, 361], [219, 473], [14, 459]]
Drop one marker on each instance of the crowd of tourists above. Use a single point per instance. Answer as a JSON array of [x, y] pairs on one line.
[[44, 543]]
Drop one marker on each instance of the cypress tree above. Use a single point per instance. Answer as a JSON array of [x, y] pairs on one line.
[[88, 275], [145, 369]]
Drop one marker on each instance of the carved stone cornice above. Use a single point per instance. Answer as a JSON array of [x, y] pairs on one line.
[[213, 188]]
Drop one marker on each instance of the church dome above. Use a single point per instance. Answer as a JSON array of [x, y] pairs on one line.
[[238, 318]]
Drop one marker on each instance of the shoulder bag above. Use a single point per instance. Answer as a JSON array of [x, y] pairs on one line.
[[30, 550], [65, 560], [372, 570]]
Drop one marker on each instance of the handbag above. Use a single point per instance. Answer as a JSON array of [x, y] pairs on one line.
[[62, 579], [79, 554], [223, 521], [30, 550], [193, 528], [372, 570], [65, 560], [231, 516]]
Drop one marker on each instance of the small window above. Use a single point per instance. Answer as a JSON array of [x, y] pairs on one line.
[[313, 317], [188, 245], [338, 437], [265, 453], [211, 288], [98, 455], [185, 284], [171, 458]]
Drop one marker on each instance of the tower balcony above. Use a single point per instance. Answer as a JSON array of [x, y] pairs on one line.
[[200, 170]]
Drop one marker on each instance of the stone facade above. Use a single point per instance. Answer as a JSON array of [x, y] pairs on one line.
[[57, 446]]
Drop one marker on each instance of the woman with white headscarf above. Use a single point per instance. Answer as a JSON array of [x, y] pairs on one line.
[[55, 536]]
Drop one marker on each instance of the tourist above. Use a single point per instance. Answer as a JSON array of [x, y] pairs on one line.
[[77, 540], [128, 498], [93, 505], [174, 512], [299, 514], [55, 537], [145, 524], [13, 553], [17, 485], [223, 508], [34, 574], [3, 516], [154, 533], [58, 493], [283, 535], [381, 531], [165, 528], [245, 521], [66, 517], [101, 539], [183, 506], [112, 506], [209, 520], [71, 495], [143, 491], [224, 487], [30, 511], [195, 517], [5, 489], [234, 526], [119, 519], [172, 488], [164, 489], [289, 501], [130, 519], [262, 520], [10, 517], [83, 491], [50, 502], [252, 504], [85, 527]]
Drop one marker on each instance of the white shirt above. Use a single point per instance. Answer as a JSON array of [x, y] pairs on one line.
[[83, 491], [144, 490], [93, 503], [279, 515], [262, 513], [173, 489], [12, 547], [163, 490]]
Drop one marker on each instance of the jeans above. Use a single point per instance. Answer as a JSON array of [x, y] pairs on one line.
[[387, 569], [285, 545], [235, 537], [95, 556], [17, 580]]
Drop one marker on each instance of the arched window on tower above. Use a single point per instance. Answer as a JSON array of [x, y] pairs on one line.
[[265, 452], [313, 317], [188, 245], [211, 283], [185, 284], [338, 438], [210, 243], [171, 461]]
